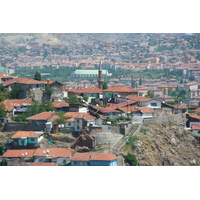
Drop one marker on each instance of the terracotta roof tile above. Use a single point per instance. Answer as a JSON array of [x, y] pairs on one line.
[[22, 81], [10, 104], [120, 89], [54, 152], [30, 134], [92, 156], [15, 153], [41, 116], [86, 90], [195, 127], [58, 104], [86, 116], [139, 98]]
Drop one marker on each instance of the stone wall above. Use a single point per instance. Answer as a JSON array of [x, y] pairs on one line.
[[10, 127], [174, 118]]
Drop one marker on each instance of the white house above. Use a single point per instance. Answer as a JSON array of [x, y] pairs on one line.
[[146, 102], [196, 130]]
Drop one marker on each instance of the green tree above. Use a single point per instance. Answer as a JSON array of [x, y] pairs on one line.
[[131, 159], [38, 76], [132, 83], [72, 99], [170, 102], [61, 118], [4, 95], [48, 90], [85, 98], [14, 93], [1, 150], [46, 107], [149, 95], [104, 86], [140, 81], [3, 110]]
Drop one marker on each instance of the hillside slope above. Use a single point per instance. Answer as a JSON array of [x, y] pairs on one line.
[[76, 38], [166, 144]]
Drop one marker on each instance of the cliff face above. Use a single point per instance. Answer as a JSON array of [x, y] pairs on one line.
[[167, 144]]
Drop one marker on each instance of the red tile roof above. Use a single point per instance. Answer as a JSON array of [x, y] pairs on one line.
[[15, 153], [119, 105], [10, 104], [53, 152], [135, 108], [41, 116], [58, 104], [86, 90], [180, 106], [4, 75], [105, 110], [195, 127], [30, 134], [85, 116], [120, 89], [92, 156], [22, 81], [139, 98]]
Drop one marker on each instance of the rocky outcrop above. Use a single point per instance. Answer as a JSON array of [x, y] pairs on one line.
[[167, 144]]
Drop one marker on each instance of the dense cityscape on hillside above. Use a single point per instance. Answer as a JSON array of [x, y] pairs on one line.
[[93, 99]]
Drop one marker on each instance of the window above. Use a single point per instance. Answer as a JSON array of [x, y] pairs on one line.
[[69, 124], [153, 104], [198, 132], [32, 139]]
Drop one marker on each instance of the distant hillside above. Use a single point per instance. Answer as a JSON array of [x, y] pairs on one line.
[[69, 38]]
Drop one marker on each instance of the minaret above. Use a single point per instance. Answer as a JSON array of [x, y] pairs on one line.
[[100, 80]]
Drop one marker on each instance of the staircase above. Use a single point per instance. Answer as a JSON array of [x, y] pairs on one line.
[[119, 145]]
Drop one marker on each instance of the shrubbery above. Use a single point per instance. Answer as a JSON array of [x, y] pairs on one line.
[[131, 159]]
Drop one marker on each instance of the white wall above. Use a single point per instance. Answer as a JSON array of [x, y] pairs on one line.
[[195, 132], [148, 104]]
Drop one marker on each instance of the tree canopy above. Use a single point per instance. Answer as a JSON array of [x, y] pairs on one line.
[[37, 76], [2, 110]]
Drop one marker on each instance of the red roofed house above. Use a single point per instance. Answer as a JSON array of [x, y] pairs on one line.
[[111, 94], [77, 120], [24, 83], [180, 108], [55, 155], [90, 92], [15, 157], [41, 118], [26, 138], [93, 159], [137, 113], [57, 89], [61, 106], [17, 105], [5, 77], [145, 102], [196, 130]]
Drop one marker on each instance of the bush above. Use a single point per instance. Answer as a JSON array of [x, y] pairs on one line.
[[112, 120], [131, 141], [131, 159]]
